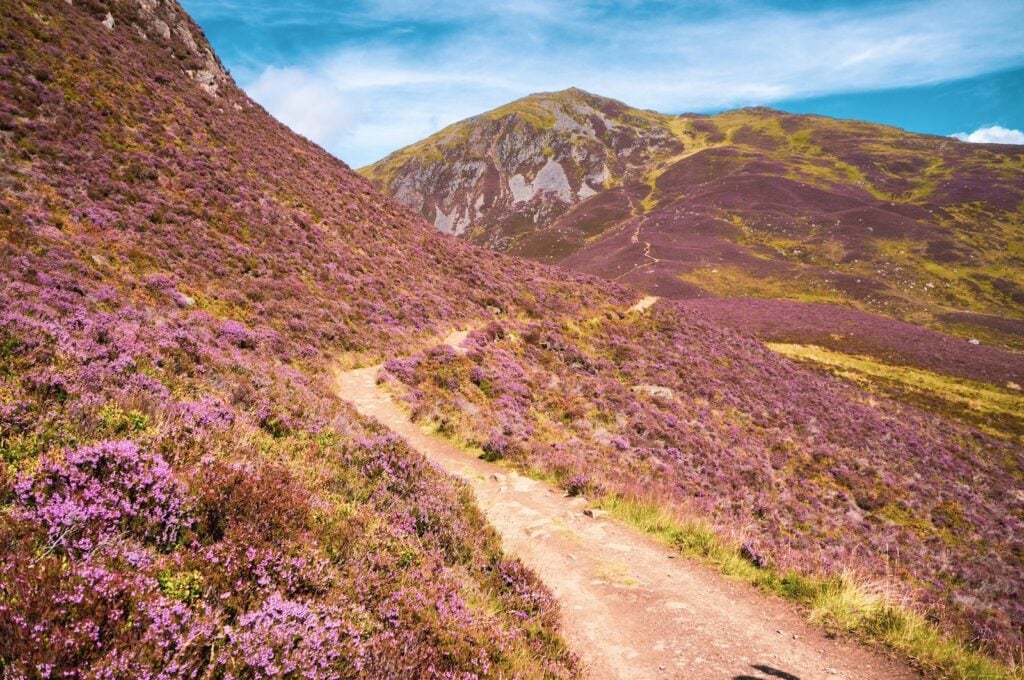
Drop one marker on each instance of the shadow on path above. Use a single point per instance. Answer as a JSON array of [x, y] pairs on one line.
[[769, 671]]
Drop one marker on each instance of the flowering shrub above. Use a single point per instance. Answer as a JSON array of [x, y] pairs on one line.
[[813, 473], [237, 334], [183, 495], [577, 485], [187, 497], [524, 594], [286, 638], [94, 491]]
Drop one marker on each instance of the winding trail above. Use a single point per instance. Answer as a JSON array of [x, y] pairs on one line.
[[650, 260], [631, 607]]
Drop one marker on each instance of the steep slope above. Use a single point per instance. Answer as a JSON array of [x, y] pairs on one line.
[[753, 202], [181, 493]]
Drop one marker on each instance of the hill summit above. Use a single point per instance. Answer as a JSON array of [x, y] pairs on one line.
[[753, 202], [522, 165]]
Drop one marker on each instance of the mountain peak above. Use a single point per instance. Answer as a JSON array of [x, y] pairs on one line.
[[546, 151], [567, 93], [560, 176], [569, 99]]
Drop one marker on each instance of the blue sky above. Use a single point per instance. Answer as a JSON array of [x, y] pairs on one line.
[[365, 77]]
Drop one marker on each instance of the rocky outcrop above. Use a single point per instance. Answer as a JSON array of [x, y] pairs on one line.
[[656, 392], [517, 168], [164, 21]]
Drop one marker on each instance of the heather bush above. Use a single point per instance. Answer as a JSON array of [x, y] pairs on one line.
[[263, 500], [61, 617], [92, 492], [288, 638], [577, 485], [184, 494], [814, 475], [525, 596]]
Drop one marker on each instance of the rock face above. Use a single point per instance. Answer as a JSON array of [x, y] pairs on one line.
[[501, 177], [657, 392], [754, 202], [165, 22]]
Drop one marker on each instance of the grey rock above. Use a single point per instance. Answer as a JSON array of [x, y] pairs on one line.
[[658, 392]]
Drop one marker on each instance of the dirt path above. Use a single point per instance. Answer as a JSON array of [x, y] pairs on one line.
[[631, 608], [635, 238]]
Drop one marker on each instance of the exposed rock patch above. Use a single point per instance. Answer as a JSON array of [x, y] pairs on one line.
[[164, 21], [551, 179], [658, 392], [519, 168]]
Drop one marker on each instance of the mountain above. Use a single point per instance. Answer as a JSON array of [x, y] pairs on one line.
[[753, 202], [183, 492], [502, 177]]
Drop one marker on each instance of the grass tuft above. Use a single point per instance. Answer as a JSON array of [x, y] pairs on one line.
[[845, 603]]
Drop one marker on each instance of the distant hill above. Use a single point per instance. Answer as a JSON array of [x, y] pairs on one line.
[[753, 202]]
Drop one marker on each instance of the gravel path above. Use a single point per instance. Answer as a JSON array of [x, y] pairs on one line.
[[631, 608]]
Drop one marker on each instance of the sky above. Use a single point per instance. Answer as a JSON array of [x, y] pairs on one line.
[[363, 78]]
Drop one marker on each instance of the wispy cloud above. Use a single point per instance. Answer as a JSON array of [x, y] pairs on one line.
[[307, 101], [993, 134], [392, 71]]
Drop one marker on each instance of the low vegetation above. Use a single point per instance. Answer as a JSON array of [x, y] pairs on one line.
[[176, 501], [812, 477], [998, 411], [843, 603], [182, 494]]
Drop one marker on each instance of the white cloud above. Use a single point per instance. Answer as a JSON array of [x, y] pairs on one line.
[[306, 102], [994, 134], [362, 100]]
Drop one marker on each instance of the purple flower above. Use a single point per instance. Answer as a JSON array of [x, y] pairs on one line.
[[95, 492]]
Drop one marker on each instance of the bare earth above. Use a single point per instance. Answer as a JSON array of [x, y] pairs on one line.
[[631, 608]]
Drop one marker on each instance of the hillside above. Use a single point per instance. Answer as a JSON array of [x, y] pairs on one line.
[[180, 490], [183, 494], [501, 178], [753, 202]]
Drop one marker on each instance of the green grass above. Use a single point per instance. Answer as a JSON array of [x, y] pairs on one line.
[[844, 603], [732, 281], [996, 410]]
